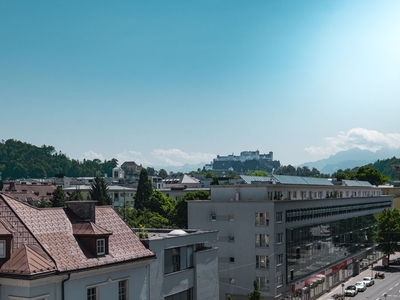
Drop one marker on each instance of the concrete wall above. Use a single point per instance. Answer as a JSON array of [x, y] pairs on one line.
[[206, 276]]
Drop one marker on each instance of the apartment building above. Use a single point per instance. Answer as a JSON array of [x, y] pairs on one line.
[[185, 269], [296, 236]]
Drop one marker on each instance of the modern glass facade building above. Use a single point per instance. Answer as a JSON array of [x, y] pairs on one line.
[[296, 236]]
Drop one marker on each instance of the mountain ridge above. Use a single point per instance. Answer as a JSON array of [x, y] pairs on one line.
[[351, 158]]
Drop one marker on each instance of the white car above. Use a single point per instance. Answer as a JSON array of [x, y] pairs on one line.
[[361, 286], [368, 281], [351, 290]]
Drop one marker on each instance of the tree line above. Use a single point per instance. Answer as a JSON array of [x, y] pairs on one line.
[[23, 160]]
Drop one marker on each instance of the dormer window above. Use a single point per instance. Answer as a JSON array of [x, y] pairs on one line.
[[101, 246], [93, 237], [2, 249]]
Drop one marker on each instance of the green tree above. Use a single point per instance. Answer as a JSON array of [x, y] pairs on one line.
[[58, 197], [255, 294], [99, 191], [151, 171], [257, 173], [345, 175], [387, 233], [181, 210], [44, 203], [76, 195], [144, 190], [209, 175], [161, 204], [145, 218], [162, 173], [371, 175]]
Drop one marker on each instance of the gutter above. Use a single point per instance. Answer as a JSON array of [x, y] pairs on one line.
[[63, 287]]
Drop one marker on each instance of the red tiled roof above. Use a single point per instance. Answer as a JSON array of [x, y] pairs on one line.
[[51, 229]]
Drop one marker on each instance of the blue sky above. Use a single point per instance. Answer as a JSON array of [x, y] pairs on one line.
[[172, 82]]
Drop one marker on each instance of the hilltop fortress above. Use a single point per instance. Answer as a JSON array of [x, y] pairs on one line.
[[246, 161]]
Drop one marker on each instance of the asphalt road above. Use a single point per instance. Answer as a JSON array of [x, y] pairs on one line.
[[389, 285]]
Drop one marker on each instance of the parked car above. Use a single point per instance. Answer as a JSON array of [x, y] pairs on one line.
[[351, 290], [368, 281], [394, 261], [361, 286]]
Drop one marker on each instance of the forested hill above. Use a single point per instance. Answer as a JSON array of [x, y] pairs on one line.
[[23, 160], [386, 166]]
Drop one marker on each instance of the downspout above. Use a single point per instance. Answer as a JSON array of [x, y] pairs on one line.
[[62, 286]]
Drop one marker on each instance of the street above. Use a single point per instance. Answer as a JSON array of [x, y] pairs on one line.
[[389, 285]]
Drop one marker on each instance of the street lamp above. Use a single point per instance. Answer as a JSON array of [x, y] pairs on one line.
[[385, 295], [343, 289]]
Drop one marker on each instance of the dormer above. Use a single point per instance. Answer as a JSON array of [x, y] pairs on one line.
[[92, 236], [5, 242], [82, 216]]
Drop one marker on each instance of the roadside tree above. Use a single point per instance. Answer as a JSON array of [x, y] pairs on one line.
[[387, 233]]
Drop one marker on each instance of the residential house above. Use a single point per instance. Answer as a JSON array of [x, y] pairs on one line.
[[82, 251], [122, 196], [31, 192]]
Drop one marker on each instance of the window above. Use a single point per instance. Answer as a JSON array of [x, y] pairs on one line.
[[263, 283], [231, 218], [262, 240], [279, 238], [123, 290], [172, 260], [279, 259], [279, 217], [279, 280], [91, 293], [231, 260], [101, 246], [185, 295], [189, 256], [231, 280], [262, 218], [231, 239], [262, 262], [213, 217], [2, 249]]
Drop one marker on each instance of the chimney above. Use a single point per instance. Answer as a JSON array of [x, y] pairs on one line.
[[11, 187], [83, 209]]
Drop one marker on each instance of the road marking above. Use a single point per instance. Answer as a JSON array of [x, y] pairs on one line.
[[396, 284], [390, 289]]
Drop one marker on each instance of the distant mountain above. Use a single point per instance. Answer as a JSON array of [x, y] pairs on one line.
[[349, 159], [186, 168]]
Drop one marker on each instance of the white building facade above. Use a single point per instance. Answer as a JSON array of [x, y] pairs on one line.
[[297, 237], [184, 269]]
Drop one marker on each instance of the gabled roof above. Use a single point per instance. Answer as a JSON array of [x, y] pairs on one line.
[[51, 230], [88, 228], [27, 261]]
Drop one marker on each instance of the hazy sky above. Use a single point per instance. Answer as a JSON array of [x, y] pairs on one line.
[[172, 82]]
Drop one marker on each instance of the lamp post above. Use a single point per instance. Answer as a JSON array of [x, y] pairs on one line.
[[385, 295], [343, 289], [372, 266]]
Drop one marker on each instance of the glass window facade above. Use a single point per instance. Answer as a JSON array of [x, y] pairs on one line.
[[312, 247]]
